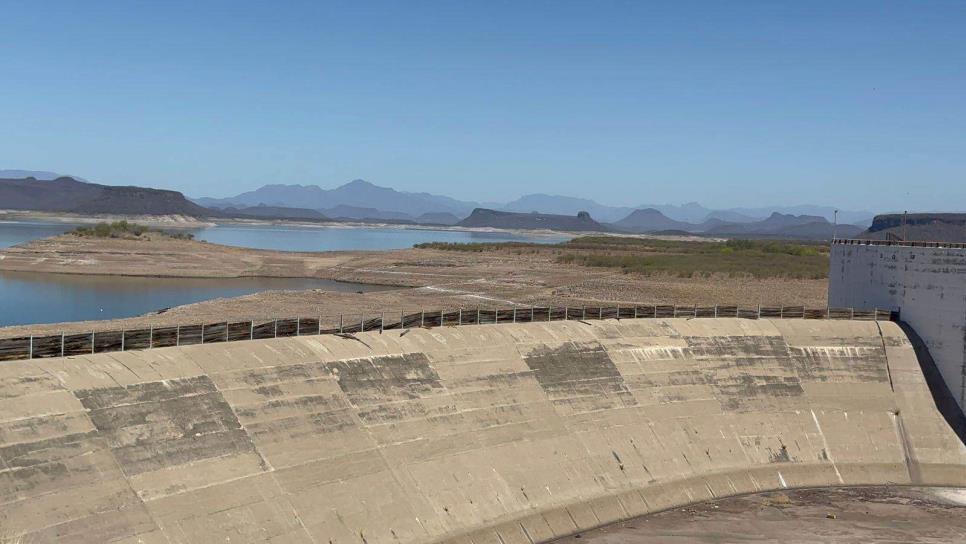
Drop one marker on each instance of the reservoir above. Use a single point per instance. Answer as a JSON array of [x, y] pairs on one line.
[[28, 297], [300, 238]]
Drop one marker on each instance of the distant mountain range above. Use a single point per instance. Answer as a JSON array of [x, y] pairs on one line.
[[65, 194], [386, 203], [579, 222], [36, 174], [356, 194], [360, 200]]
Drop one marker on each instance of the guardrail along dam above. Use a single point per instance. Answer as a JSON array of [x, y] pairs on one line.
[[477, 434]]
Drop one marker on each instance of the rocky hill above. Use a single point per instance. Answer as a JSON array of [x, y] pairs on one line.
[[66, 194], [482, 217], [651, 220], [924, 227]]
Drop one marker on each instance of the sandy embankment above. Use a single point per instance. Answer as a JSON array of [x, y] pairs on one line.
[[429, 279], [156, 221]]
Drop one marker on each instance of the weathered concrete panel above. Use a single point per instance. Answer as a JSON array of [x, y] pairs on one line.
[[927, 286], [497, 434]]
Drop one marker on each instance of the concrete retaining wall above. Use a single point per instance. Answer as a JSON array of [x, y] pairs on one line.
[[926, 284], [482, 434]]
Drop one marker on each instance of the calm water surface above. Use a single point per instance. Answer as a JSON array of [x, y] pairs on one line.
[[290, 238], [29, 297], [13, 233]]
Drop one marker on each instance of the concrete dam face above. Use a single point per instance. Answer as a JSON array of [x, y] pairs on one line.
[[478, 434]]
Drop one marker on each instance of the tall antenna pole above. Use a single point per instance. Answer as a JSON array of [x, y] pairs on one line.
[[835, 224]]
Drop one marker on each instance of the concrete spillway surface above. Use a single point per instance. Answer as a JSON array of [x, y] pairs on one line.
[[478, 434]]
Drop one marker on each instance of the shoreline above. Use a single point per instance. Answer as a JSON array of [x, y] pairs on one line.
[[415, 278], [185, 222]]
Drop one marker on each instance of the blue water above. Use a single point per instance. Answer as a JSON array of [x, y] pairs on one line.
[[30, 297], [293, 238], [290, 238], [13, 233]]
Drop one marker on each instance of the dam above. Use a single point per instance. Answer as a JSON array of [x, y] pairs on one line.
[[505, 434], [925, 282]]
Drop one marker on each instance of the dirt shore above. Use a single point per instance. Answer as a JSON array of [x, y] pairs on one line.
[[430, 279], [853, 515]]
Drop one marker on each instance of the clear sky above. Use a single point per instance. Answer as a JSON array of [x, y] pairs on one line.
[[849, 103]]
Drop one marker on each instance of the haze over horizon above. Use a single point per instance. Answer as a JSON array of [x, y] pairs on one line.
[[745, 105]]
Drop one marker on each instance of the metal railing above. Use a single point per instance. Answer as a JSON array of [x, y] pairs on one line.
[[898, 243], [63, 345]]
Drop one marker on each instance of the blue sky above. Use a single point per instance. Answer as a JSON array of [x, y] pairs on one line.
[[861, 105]]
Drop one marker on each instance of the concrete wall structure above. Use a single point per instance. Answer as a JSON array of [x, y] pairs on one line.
[[926, 284], [480, 434]]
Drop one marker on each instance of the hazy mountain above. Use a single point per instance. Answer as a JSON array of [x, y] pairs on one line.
[[275, 212], [36, 174], [728, 216], [69, 195], [580, 222], [826, 212], [343, 211], [357, 193], [651, 220], [565, 205], [779, 225], [438, 218]]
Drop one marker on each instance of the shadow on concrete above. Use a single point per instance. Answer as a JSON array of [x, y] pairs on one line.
[[945, 401]]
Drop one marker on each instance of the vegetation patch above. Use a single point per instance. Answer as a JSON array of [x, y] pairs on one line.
[[123, 229], [682, 258]]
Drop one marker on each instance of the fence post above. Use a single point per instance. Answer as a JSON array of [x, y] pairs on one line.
[[655, 311], [30, 350], [600, 312], [759, 310], [635, 311], [92, 342], [275, 329], [781, 312], [852, 313], [382, 322], [226, 330], [875, 315], [716, 310], [496, 316], [150, 338], [583, 314], [549, 313], [362, 323], [251, 329], [61, 344], [402, 319], [618, 312], [298, 326], [340, 323], [459, 320], [566, 313], [477, 314], [122, 338], [514, 315]]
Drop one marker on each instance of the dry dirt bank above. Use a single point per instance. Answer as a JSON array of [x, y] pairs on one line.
[[427, 279]]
